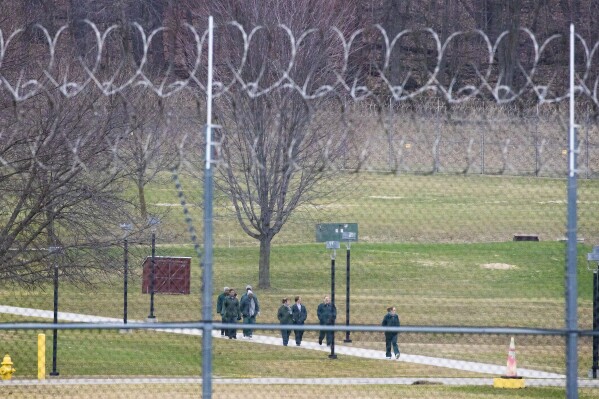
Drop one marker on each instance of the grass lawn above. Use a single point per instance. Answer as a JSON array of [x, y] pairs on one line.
[[431, 284], [406, 208], [437, 247], [183, 391]]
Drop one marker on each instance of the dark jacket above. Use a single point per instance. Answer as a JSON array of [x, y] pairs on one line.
[[285, 315], [244, 306], [231, 308], [219, 302], [327, 313], [299, 317], [390, 320]]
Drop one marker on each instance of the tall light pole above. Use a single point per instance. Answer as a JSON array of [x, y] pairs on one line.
[[126, 227], [53, 251], [594, 257], [334, 245], [347, 260], [153, 222]]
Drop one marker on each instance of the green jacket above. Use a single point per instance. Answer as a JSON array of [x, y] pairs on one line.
[[220, 302], [391, 320], [284, 315], [231, 309], [244, 306], [299, 317], [327, 313]]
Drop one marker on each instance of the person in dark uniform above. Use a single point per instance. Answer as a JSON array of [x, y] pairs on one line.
[[391, 319], [249, 307], [285, 316], [219, 307], [299, 315], [327, 313], [231, 312]]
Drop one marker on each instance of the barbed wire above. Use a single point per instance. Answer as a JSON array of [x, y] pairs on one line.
[[350, 119], [70, 84]]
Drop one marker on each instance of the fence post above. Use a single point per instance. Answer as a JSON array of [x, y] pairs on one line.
[[207, 261], [571, 253], [482, 152], [537, 143], [437, 162]]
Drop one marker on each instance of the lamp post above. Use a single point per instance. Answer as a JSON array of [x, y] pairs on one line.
[[347, 260], [126, 227], [594, 257], [153, 222], [334, 245], [54, 250]]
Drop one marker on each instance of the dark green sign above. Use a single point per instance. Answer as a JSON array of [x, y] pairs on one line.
[[336, 232]]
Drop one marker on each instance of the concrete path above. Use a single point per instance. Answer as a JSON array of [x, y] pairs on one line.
[[530, 382], [483, 368]]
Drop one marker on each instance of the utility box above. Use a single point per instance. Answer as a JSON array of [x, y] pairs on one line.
[[172, 275]]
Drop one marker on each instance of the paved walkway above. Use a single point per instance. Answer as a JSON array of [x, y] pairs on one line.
[[533, 377], [530, 382]]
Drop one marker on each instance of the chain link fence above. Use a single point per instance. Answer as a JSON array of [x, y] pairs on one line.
[[459, 195]]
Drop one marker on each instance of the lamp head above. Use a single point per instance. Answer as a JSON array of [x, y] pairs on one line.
[[153, 222]]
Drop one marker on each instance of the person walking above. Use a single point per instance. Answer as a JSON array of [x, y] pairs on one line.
[[285, 316], [219, 307], [248, 288], [249, 307], [231, 312], [299, 315], [391, 319], [327, 313]]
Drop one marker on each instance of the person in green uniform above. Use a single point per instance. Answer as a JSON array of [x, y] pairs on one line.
[[285, 316], [219, 307], [327, 313], [231, 312], [300, 314], [249, 310], [391, 319]]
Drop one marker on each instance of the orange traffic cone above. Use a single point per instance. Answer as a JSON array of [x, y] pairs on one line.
[[510, 379], [511, 360]]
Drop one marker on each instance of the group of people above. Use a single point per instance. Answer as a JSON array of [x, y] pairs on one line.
[[232, 310]]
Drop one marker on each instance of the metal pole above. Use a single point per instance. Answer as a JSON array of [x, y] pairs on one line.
[[437, 166], [55, 331], [537, 143], [595, 322], [207, 262], [333, 355], [586, 146], [125, 273], [482, 153], [347, 257], [151, 316], [571, 269]]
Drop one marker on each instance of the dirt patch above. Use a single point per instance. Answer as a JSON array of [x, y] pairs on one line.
[[432, 263], [498, 266]]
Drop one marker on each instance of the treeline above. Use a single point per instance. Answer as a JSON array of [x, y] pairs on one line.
[[80, 122], [410, 63]]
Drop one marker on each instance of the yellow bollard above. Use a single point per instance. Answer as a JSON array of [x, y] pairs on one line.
[[41, 356]]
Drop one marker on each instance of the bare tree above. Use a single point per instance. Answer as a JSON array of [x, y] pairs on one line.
[[58, 188], [276, 149], [148, 145], [59, 184]]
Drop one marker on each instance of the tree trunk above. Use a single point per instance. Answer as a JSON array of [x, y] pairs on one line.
[[264, 265], [142, 202], [509, 55]]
